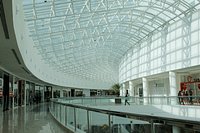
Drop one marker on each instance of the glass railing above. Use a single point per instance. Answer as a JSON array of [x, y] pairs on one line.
[[155, 100], [83, 120], [79, 114]]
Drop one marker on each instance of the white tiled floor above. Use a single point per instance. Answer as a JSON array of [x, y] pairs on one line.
[[37, 119], [32, 119]]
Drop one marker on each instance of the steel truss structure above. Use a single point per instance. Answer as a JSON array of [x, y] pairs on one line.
[[88, 38]]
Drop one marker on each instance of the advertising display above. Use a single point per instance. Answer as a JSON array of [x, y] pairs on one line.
[[190, 83]]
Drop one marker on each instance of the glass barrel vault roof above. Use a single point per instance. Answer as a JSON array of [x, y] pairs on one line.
[[87, 38]]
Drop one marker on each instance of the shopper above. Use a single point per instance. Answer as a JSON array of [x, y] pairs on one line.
[[190, 99], [127, 98], [182, 96], [179, 97]]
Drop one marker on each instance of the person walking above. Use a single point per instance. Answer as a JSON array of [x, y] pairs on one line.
[[182, 96], [127, 98], [179, 97], [190, 98]]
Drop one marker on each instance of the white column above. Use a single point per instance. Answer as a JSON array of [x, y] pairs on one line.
[[27, 93], [131, 88], [178, 80], [61, 93], [86, 92], [25, 88], [123, 89], [145, 89], [172, 86], [43, 93], [52, 92], [175, 129], [13, 90]]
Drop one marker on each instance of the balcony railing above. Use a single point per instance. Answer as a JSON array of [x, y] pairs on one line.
[[80, 115], [154, 100]]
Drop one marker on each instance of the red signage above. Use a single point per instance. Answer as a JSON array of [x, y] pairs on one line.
[[183, 86]]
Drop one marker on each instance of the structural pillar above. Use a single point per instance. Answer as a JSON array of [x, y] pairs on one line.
[[164, 33], [61, 93], [186, 39], [52, 92], [131, 89], [123, 89], [86, 92], [172, 86], [175, 129], [5, 92], [145, 90], [43, 93], [25, 93], [13, 90]]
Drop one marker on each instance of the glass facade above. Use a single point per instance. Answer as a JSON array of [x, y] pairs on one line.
[[88, 38], [179, 50]]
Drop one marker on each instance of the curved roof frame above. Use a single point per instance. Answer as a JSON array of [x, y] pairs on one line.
[[31, 6], [147, 16], [76, 47], [75, 35]]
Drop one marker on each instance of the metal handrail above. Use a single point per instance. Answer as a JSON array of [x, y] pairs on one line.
[[56, 108]]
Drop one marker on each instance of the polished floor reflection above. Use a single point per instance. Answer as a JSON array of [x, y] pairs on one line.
[[30, 119]]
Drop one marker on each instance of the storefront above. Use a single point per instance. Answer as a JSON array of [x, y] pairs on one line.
[[1, 91], [190, 86]]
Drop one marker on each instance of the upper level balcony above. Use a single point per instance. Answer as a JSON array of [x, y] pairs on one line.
[[89, 114]]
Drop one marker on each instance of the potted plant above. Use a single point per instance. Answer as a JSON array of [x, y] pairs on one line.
[[116, 88]]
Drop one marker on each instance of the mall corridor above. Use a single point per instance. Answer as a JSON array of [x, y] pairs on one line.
[[30, 119]]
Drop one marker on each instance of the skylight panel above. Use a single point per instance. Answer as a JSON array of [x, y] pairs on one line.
[[94, 32]]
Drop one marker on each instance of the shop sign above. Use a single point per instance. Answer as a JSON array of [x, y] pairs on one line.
[[190, 80], [183, 86]]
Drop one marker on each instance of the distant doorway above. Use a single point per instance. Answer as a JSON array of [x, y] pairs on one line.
[[5, 92], [141, 95], [140, 92]]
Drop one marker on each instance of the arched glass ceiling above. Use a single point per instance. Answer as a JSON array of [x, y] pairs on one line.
[[87, 38]]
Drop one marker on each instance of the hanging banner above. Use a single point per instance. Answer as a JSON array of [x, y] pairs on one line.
[[183, 86]]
